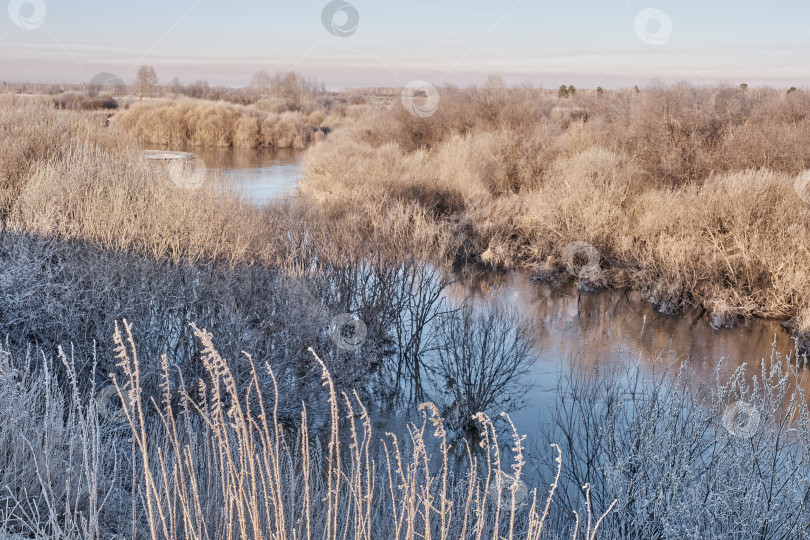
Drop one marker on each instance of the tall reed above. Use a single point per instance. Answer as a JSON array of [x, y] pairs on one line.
[[222, 465]]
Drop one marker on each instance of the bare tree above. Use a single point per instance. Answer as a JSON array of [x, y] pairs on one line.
[[288, 88], [415, 332], [175, 86], [145, 81], [293, 88], [483, 358], [261, 82], [198, 89]]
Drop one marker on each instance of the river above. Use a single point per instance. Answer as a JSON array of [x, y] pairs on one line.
[[260, 174], [569, 325]]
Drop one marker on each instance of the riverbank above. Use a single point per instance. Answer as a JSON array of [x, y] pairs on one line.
[[689, 196], [189, 122]]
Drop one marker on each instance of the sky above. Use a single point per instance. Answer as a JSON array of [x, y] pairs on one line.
[[346, 43]]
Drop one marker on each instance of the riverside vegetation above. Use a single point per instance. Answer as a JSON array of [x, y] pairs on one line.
[[93, 233], [206, 441], [690, 195]]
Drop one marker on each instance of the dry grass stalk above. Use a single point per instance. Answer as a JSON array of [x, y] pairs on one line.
[[260, 491]]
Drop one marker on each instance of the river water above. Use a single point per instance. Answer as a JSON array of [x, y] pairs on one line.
[[259, 174], [617, 326], [569, 325]]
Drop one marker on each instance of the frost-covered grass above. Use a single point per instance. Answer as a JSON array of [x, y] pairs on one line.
[[211, 460], [686, 457]]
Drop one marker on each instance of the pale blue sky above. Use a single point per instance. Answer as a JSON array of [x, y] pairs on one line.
[[544, 43]]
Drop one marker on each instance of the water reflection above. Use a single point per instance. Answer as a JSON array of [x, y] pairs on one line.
[[609, 326], [568, 325], [260, 175]]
